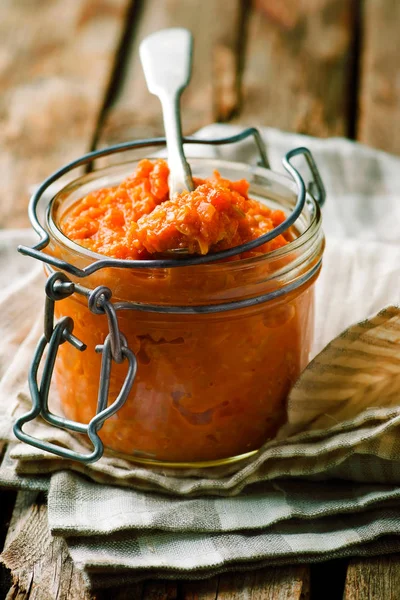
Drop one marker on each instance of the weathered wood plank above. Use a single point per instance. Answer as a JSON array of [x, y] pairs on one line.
[[40, 564], [379, 101], [213, 92], [279, 583], [298, 65], [55, 63], [21, 512], [373, 578]]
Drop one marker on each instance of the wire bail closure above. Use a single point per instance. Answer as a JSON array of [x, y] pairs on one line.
[[115, 347]]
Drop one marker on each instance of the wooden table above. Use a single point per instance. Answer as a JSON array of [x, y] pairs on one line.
[[71, 80]]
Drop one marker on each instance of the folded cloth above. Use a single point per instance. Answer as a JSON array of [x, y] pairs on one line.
[[340, 407], [343, 417]]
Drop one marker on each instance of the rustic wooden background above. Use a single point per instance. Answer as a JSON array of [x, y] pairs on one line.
[[71, 81], [70, 77]]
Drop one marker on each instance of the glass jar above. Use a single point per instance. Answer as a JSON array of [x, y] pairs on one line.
[[210, 387]]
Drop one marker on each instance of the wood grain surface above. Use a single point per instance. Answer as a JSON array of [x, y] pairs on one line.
[[379, 95], [290, 583], [40, 563], [373, 579], [213, 91], [55, 62], [298, 64], [282, 583], [70, 77]]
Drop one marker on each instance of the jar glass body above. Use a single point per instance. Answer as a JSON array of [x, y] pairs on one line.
[[210, 387]]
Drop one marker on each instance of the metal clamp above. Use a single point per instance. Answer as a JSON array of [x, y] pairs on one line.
[[99, 304], [58, 286], [315, 187]]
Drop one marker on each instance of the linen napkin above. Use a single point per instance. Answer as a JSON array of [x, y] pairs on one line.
[[343, 417]]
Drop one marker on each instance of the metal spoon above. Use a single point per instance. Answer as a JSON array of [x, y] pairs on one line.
[[166, 59]]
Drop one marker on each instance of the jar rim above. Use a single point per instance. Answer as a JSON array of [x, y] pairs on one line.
[[280, 179]]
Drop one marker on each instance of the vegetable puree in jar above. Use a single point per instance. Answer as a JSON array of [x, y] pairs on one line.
[[137, 218], [208, 386]]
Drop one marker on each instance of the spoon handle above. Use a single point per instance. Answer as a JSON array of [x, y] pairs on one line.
[[166, 59]]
